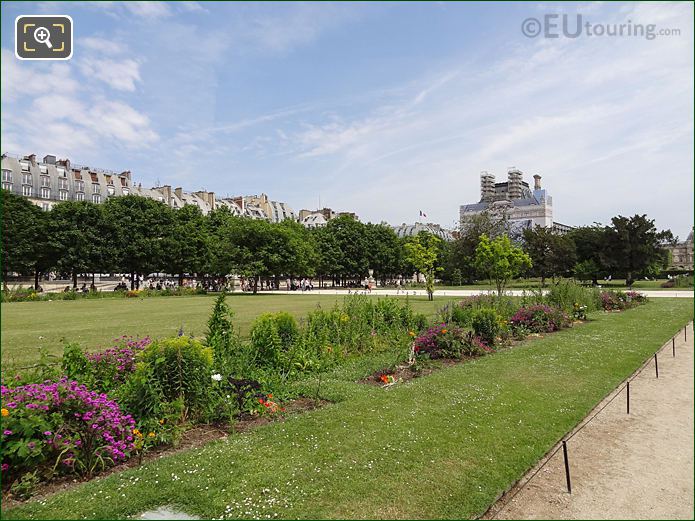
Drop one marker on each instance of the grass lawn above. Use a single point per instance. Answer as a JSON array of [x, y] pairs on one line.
[[28, 326], [442, 446]]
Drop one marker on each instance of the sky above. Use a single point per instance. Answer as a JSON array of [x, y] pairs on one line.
[[383, 109]]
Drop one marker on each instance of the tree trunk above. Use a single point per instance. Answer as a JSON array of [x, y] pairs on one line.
[[74, 280], [132, 280], [255, 285], [37, 274], [180, 279]]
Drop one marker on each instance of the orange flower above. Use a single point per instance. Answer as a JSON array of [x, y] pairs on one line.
[[384, 378], [5, 412], [444, 330], [270, 396]]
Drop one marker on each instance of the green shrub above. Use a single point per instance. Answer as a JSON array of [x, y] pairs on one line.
[[486, 324], [272, 337], [181, 368], [221, 336], [568, 295]]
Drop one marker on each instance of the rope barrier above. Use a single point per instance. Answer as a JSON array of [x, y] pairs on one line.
[[581, 427]]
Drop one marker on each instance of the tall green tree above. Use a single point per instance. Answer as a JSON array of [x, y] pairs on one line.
[[25, 247], [142, 227], [500, 260], [350, 239], [80, 233], [460, 253], [385, 252], [423, 251], [552, 254], [633, 245], [589, 241], [186, 249]]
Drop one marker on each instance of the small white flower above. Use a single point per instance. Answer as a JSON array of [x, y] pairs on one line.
[[217, 377]]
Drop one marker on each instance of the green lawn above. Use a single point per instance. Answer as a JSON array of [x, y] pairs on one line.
[[28, 326], [443, 446]]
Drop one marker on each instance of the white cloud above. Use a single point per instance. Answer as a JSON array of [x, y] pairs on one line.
[[147, 9], [120, 75], [101, 45]]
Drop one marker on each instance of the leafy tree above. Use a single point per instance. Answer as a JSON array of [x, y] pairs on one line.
[[186, 248], [633, 245], [422, 251], [460, 253], [24, 237], [552, 254], [589, 244], [297, 248], [79, 233], [351, 245], [142, 227], [500, 260], [385, 251], [328, 253], [254, 247]]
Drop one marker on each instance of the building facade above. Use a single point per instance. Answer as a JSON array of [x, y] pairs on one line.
[[52, 180], [520, 205], [681, 255]]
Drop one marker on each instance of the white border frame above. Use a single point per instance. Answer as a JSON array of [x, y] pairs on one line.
[[72, 39]]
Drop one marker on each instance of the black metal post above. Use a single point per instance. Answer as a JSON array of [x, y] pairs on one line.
[[685, 332], [673, 345], [656, 365], [567, 466], [628, 397]]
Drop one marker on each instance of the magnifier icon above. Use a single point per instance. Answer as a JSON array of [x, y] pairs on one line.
[[43, 35]]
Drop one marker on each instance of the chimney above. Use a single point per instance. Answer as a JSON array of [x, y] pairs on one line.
[[64, 162], [211, 200], [166, 192], [49, 160], [536, 182], [179, 192], [32, 158], [487, 187], [126, 174]]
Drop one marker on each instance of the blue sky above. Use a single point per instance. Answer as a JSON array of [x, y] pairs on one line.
[[384, 109]]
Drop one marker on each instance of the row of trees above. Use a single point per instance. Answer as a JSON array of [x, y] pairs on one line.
[[628, 247], [139, 236]]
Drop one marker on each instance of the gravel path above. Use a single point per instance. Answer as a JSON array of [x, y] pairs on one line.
[[636, 466]]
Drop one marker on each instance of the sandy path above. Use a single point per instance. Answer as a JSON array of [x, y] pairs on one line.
[[636, 466]]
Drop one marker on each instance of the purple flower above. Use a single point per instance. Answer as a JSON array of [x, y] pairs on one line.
[[5, 467], [7, 433], [31, 445], [48, 433]]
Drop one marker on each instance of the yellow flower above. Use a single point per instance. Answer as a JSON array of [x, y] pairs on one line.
[[5, 412], [411, 333], [151, 434], [161, 422]]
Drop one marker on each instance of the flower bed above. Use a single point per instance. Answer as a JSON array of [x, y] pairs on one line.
[[539, 319], [444, 341], [58, 427], [618, 300]]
